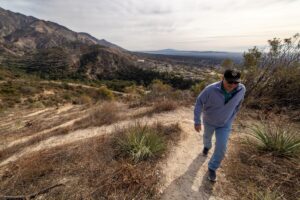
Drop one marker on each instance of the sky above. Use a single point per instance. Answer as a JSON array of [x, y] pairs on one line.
[[200, 25]]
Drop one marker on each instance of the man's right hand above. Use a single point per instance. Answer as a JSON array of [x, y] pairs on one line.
[[198, 127]]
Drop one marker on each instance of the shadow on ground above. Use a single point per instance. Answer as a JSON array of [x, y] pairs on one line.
[[182, 187]]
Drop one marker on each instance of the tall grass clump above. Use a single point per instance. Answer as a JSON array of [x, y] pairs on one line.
[[140, 142], [276, 138]]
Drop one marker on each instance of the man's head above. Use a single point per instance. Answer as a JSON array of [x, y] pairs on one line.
[[231, 79]]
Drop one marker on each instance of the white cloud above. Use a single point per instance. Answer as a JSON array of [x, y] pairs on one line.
[[231, 25]]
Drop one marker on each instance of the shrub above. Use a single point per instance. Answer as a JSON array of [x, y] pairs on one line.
[[106, 114], [105, 93], [83, 99], [278, 139], [133, 89], [158, 90], [140, 142], [37, 104], [272, 78], [164, 106], [197, 88], [28, 90], [158, 87]]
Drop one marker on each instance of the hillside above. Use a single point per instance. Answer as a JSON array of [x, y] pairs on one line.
[[25, 33], [47, 49]]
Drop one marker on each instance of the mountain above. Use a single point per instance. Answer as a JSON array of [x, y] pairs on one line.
[[103, 42], [235, 56], [26, 32], [54, 51]]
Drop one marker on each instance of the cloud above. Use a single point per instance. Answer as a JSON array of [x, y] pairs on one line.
[[185, 24]]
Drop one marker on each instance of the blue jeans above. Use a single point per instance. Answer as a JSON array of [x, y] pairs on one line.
[[222, 135]]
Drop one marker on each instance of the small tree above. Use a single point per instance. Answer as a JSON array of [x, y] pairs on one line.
[[273, 77]]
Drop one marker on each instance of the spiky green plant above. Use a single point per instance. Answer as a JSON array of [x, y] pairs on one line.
[[277, 138], [141, 142]]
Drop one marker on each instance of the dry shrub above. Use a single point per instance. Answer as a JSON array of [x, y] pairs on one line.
[[83, 99], [159, 107], [164, 106], [253, 173], [272, 78], [88, 169], [105, 93], [107, 113]]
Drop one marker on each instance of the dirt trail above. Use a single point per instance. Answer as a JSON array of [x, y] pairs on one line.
[[185, 169]]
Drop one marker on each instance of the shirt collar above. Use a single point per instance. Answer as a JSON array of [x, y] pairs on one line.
[[219, 85]]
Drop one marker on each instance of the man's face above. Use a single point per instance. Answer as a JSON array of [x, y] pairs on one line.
[[229, 86]]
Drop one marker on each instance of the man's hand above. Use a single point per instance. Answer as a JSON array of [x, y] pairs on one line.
[[198, 127]]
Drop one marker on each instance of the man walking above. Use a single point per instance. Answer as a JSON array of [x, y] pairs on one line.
[[218, 103]]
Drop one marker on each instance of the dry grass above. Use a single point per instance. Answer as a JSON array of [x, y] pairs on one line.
[[7, 152], [89, 169], [159, 107], [107, 113], [254, 174], [164, 106]]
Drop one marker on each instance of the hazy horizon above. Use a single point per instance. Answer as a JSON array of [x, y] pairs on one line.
[[188, 25]]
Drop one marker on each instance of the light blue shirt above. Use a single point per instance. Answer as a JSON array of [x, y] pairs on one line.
[[211, 104]]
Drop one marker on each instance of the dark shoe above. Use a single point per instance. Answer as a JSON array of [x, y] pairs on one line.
[[212, 175], [205, 151]]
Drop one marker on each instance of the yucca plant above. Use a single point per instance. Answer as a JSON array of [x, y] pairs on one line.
[[279, 139], [141, 142]]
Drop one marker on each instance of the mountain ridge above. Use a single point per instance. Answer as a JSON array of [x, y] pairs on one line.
[[22, 31], [236, 56]]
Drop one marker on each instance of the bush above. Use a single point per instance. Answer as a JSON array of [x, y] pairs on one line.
[[278, 139], [140, 142], [272, 78], [106, 114], [158, 91], [164, 106], [83, 99], [28, 90], [105, 93], [197, 88]]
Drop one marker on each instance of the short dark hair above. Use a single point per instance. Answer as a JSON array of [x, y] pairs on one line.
[[232, 75]]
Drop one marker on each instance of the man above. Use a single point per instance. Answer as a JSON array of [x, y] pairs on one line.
[[218, 103]]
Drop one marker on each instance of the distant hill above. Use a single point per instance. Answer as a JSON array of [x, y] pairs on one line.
[[219, 55], [26, 33], [54, 51]]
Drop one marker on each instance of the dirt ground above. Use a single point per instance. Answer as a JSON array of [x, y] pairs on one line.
[[184, 170]]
